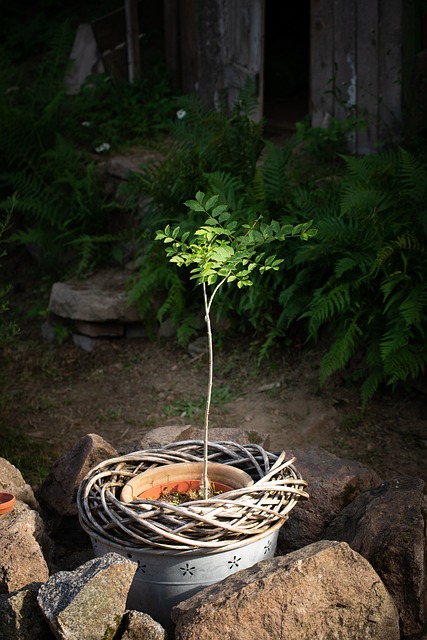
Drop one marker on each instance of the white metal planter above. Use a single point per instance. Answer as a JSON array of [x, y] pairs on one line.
[[166, 577], [182, 548]]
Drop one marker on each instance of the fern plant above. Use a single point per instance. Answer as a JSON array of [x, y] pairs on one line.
[[60, 201], [368, 271], [201, 142], [60, 204]]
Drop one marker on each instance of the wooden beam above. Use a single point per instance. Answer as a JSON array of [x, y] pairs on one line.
[[132, 40]]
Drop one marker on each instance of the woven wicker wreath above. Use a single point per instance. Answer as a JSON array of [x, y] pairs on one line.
[[214, 523]]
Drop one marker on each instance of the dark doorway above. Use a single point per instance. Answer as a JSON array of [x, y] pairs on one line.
[[286, 66]]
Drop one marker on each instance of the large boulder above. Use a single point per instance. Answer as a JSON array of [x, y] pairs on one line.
[[100, 298], [20, 616], [162, 436], [58, 491], [137, 625], [26, 548], [90, 601], [387, 526], [332, 484], [323, 591]]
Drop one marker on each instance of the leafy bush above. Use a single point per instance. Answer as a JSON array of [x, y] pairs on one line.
[[201, 141], [366, 272], [62, 213], [139, 112]]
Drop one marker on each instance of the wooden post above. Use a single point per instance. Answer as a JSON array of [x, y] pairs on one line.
[[132, 40]]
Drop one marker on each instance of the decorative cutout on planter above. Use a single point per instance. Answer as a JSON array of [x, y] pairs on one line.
[[234, 563], [187, 569]]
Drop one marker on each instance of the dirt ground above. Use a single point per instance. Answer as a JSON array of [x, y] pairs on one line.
[[123, 388]]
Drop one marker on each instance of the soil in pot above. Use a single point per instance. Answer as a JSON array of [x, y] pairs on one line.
[[181, 492], [183, 478]]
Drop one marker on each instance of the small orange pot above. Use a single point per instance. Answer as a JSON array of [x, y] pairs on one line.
[[7, 500]]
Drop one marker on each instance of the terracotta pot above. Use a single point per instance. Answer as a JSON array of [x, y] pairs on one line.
[[7, 500], [181, 478]]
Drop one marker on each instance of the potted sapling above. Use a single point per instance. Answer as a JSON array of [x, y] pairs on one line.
[[238, 496]]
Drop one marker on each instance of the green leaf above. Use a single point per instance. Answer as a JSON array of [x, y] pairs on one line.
[[194, 206], [231, 226], [220, 211], [200, 196], [222, 253], [211, 202]]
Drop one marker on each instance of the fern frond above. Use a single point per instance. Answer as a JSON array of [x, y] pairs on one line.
[[187, 328], [327, 304], [401, 244], [273, 169], [413, 308], [406, 363], [345, 264], [228, 186], [341, 350], [393, 340], [370, 385], [174, 301], [364, 201], [413, 176]]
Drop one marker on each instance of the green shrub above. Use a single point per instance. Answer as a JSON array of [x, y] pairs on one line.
[[62, 213], [366, 272], [201, 141], [119, 112]]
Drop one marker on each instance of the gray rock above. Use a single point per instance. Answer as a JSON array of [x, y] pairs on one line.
[[332, 484], [140, 626], [26, 548], [59, 489], [325, 591], [100, 329], [84, 342], [161, 436], [11, 481], [90, 601], [100, 298], [20, 616], [85, 58], [388, 527]]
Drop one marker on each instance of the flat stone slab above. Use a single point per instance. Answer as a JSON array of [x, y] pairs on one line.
[[100, 298]]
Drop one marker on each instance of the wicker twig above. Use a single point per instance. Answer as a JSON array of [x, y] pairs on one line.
[[216, 522]]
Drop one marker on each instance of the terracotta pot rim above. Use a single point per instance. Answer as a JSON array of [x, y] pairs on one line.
[[7, 501]]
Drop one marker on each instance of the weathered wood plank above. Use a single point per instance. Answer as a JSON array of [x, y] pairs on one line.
[[245, 33], [132, 40], [345, 87], [368, 32], [171, 40], [321, 61], [390, 69], [189, 45]]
